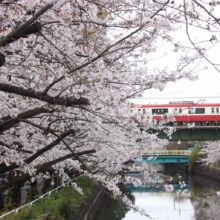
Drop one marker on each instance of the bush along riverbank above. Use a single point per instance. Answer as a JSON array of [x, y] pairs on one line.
[[193, 159], [196, 167], [64, 204]]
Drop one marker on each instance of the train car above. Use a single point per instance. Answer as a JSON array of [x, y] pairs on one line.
[[184, 113]]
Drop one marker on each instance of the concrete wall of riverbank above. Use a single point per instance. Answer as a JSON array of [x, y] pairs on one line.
[[211, 171]]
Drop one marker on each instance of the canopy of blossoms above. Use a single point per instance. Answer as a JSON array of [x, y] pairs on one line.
[[67, 71]]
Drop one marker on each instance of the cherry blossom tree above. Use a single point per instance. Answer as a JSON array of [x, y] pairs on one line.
[[67, 71], [211, 152]]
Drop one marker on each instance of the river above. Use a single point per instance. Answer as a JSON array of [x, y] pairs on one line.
[[162, 206], [202, 203], [198, 200]]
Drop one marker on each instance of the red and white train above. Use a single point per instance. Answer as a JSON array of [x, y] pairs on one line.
[[184, 112]]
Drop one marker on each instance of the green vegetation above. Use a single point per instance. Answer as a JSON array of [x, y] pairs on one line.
[[124, 189], [193, 159], [61, 205]]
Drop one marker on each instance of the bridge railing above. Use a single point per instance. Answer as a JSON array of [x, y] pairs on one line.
[[165, 152]]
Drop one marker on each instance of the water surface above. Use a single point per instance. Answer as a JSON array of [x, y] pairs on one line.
[[162, 206]]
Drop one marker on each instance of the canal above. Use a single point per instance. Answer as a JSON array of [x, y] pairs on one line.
[[195, 198]]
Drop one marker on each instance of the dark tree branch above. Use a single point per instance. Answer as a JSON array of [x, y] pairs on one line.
[[74, 154], [200, 52], [8, 122], [23, 30], [206, 10], [17, 149], [38, 153], [2, 59], [32, 29], [52, 84], [25, 27], [68, 102], [43, 167], [50, 146]]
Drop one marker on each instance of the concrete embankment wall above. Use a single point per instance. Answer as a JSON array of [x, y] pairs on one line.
[[211, 172]]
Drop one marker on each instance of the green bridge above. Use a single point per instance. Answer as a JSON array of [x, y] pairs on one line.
[[164, 156], [156, 188], [187, 136]]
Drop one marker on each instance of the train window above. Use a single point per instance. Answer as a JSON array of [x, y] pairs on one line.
[[200, 111], [180, 110], [217, 110], [213, 110], [197, 111], [159, 111]]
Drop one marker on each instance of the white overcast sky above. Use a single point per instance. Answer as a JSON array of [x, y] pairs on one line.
[[208, 83]]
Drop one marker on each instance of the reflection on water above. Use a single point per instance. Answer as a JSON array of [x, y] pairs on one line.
[[162, 206], [204, 198], [202, 203], [207, 208]]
